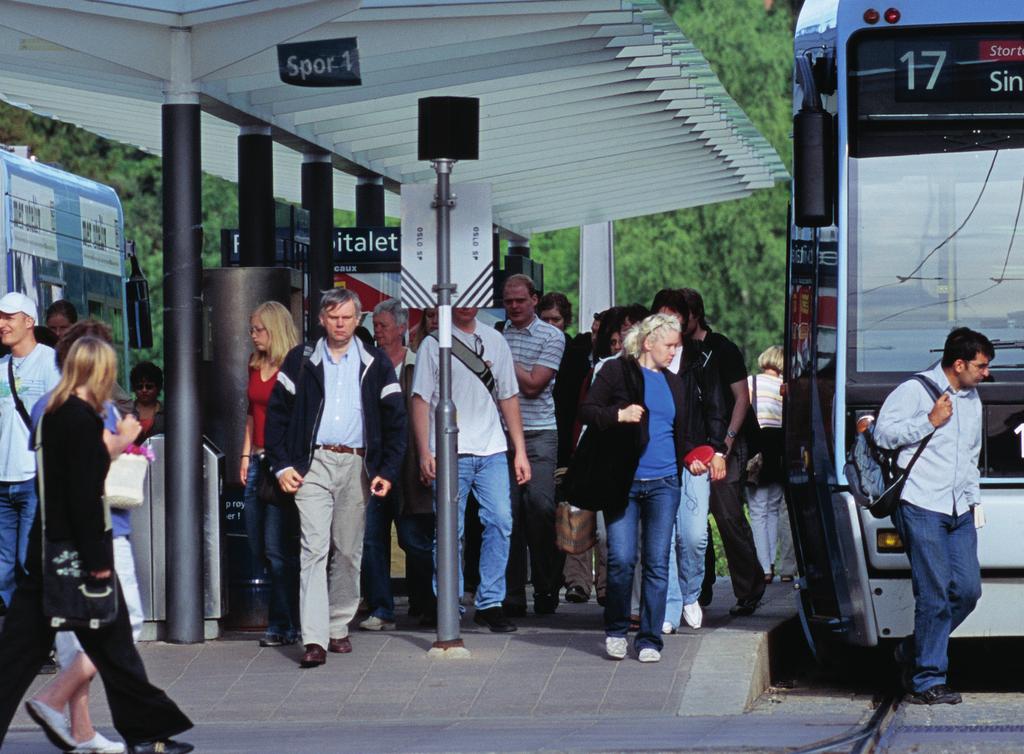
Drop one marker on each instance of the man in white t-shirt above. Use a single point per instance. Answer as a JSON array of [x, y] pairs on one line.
[[478, 394], [31, 368]]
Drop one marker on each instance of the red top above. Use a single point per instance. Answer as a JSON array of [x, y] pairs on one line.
[[259, 396]]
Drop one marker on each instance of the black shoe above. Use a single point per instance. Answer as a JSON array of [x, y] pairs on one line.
[[601, 600], [163, 746], [545, 604], [494, 618], [744, 607], [941, 694], [577, 594], [514, 609]]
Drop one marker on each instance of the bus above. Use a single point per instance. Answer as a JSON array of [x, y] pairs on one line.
[[62, 237], [907, 220]]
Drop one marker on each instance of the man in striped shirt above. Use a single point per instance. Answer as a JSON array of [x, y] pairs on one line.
[[537, 351]]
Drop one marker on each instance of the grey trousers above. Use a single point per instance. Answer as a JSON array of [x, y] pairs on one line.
[[332, 518]]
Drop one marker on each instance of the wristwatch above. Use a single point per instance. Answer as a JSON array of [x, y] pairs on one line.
[[730, 435]]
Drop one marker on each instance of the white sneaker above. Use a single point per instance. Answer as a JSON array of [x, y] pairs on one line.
[[99, 744], [54, 724], [693, 615], [649, 654], [667, 628], [373, 623], [615, 647]]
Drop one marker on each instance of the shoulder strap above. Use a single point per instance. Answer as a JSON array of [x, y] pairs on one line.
[[14, 394], [935, 393], [474, 363], [929, 385]]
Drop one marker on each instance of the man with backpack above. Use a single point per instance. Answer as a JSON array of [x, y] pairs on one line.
[[935, 517], [483, 383]]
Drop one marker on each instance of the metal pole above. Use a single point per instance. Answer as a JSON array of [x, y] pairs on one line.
[[318, 198], [256, 232], [369, 201], [183, 490], [446, 428]]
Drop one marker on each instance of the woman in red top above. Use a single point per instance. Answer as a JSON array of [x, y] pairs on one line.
[[272, 526]]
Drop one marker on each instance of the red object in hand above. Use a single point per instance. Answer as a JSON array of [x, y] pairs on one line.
[[702, 453]]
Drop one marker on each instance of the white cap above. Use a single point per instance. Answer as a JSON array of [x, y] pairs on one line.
[[13, 302]]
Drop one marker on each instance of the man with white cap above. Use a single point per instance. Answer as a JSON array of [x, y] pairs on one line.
[[28, 372]]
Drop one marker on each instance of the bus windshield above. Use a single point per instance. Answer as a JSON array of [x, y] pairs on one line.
[[935, 194], [936, 242]]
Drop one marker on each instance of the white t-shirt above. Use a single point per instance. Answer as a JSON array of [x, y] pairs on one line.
[[476, 414], [34, 376]]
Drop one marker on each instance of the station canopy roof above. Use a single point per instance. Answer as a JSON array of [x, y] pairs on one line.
[[590, 110]]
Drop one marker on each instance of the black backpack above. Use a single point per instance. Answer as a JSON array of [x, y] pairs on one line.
[[874, 477]]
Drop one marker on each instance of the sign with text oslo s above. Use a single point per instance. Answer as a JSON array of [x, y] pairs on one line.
[[472, 269], [322, 62], [367, 249]]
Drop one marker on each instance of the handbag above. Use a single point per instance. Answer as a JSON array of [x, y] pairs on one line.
[[575, 529], [268, 491], [71, 599], [125, 485]]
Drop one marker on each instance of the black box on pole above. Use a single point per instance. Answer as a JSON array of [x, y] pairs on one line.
[[449, 128]]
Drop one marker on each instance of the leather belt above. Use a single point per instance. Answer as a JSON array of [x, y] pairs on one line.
[[342, 449]]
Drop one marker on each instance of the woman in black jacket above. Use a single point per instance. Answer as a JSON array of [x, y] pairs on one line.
[[75, 463], [647, 420]]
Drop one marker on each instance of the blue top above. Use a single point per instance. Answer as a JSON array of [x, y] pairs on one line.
[[342, 419], [659, 457], [120, 519]]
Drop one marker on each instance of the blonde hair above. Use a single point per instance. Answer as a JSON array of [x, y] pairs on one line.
[[654, 327], [772, 358], [91, 364], [283, 335]]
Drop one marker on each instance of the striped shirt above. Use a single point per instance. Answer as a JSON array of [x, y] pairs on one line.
[[543, 344], [768, 405]]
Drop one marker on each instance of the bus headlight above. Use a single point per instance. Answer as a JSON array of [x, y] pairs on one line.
[[888, 540]]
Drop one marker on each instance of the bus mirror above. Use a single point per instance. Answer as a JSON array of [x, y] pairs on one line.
[[140, 326], [813, 173]]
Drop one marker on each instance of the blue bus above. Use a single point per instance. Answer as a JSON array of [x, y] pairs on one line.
[[62, 238], [907, 221]]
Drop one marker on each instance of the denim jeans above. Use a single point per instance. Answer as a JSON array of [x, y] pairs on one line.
[[654, 503], [273, 532], [690, 541], [18, 504], [943, 553], [487, 477], [415, 537], [946, 578]]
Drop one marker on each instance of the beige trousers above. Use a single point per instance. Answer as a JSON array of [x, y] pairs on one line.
[[332, 517]]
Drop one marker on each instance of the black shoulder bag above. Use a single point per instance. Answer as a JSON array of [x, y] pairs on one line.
[[17, 398], [71, 599]]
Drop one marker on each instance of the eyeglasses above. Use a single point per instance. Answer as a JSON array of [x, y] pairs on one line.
[[255, 329], [478, 345], [981, 366]]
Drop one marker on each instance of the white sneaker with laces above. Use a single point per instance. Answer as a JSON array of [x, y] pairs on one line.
[[99, 744], [615, 647], [667, 628], [649, 654], [693, 615]]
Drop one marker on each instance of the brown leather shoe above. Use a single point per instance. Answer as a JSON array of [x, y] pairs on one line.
[[340, 646], [315, 655]]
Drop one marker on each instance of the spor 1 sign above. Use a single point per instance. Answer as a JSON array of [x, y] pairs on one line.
[[322, 62]]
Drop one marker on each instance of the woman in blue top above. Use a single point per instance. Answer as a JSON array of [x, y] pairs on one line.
[[649, 418]]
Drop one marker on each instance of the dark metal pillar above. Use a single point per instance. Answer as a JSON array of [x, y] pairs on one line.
[[256, 231], [318, 198], [183, 491], [519, 247], [370, 201]]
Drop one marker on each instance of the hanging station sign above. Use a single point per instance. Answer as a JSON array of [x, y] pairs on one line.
[[321, 62]]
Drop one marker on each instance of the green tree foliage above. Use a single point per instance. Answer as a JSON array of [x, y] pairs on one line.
[[733, 252]]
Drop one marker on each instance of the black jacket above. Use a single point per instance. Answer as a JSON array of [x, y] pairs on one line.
[[605, 463], [704, 359], [75, 464], [297, 404]]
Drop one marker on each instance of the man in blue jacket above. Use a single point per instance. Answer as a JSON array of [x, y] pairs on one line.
[[335, 434]]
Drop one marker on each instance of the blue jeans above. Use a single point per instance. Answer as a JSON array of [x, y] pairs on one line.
[[651, 502], [18, 503], [273, 532], [690, 541], [415, 537], [943, 553], [487, 477]]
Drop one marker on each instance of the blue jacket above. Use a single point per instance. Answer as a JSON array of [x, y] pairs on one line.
[[297, 403]]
